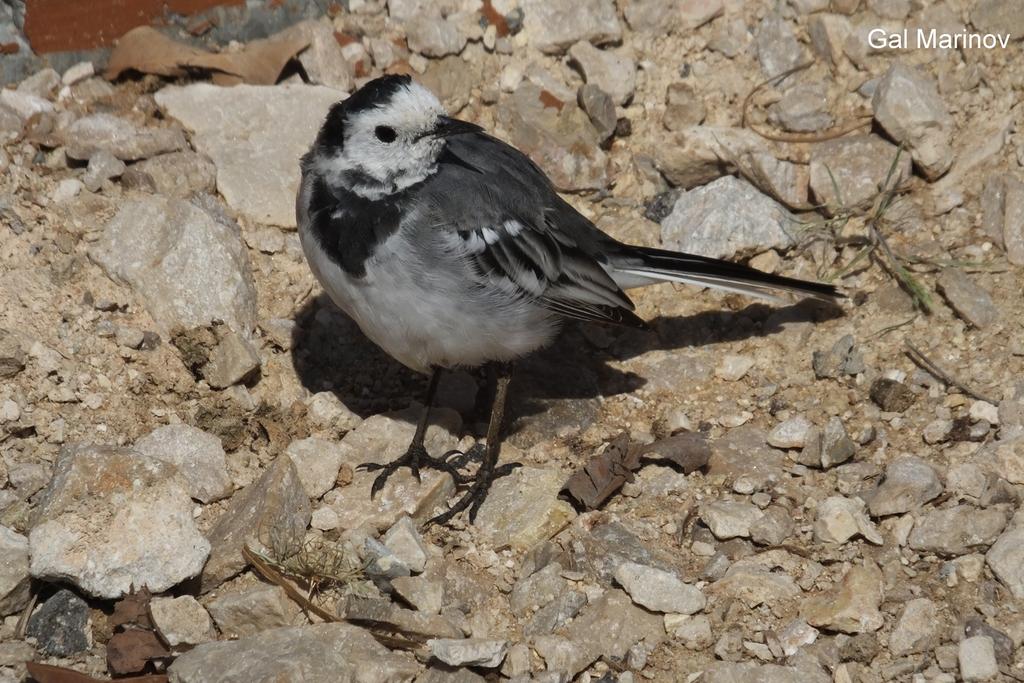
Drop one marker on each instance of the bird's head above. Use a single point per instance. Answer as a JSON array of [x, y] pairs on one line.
[[385, 137]]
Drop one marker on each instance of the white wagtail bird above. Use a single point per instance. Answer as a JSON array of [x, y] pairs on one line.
[[450, 248]]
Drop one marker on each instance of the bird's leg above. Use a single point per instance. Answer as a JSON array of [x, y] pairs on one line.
[[416, 455], [488, 471]]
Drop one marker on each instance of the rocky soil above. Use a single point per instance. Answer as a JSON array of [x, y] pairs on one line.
[[182, 411]]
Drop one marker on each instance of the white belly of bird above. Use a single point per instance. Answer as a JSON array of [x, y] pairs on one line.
[[430, 319]]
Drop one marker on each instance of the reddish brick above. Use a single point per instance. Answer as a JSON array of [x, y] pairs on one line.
[[59, 25]]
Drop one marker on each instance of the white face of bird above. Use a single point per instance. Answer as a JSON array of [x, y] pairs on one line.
[[384, 138]]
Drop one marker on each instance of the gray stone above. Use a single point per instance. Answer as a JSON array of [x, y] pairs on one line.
[[271, 512], [102, 166], [694, 631], [909, 483], [804, 109], [756, 222], [836, 445], [998, 16], [551, 26], [609, 627], [907, 105], [434, 36], [523, 509], [750, 672], [917, 630], [189, 266], [234, 360], [1011, 219], [247, 613], [12, 355], [956, 530], [180, 174], [240, 129], [181, 621], [730, 519], [424, 592], [556, 613], [321, 653], [382, 612], [317, 462], [851, 170], [842, 359], [404, 540], [198, 456], [120, 137], [111, 521], [1006, 559], [977, 657], [538, 589], [611, 71], [658, 590], [655, 17], [66, 190], [469, 651], [828, 32], [684, 109], [700, 154], [730, 37], [14, 577], [971, 302], [599, 109], [773, 528], [850, 607], [557, 135], [695, 13], [61, 625], [777, 47]]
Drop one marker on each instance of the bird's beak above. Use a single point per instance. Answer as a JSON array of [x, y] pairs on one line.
[[447, 126]]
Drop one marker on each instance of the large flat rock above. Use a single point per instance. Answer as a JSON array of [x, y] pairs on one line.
[[255, 136]]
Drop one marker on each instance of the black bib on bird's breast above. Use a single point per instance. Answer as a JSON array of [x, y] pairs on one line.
[[349, 227]]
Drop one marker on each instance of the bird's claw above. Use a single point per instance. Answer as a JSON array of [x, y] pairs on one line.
[[414, 458]]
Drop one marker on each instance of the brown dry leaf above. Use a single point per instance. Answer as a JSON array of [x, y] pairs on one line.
[[146, 50], [603, 474], [45, 673], [128, 652], [690, 451], [132, 610]]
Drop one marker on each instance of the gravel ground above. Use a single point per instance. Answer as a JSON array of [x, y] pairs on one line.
[[819, 493]]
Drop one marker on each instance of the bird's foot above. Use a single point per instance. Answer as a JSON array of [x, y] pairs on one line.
[[415, 458], [475, 495]]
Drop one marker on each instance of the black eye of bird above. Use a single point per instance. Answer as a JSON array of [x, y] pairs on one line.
[[385, 133]]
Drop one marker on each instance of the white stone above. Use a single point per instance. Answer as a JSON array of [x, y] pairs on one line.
[[734, 367], [14, 576], [189, 266], [469, 652], [181, 620], [756, 222], [66, 190], [324, 410], [405, 542], [614, 72], [1006, 559], [198, 456], [658, 590], [553, 25], [240, 129], [317, 462], [78, 72], [791, 433], [983, 410], [839, 519], [977, 657], [112, 521], [730, 519]]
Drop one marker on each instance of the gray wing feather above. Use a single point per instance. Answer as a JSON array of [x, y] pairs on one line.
[[497, 209]]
